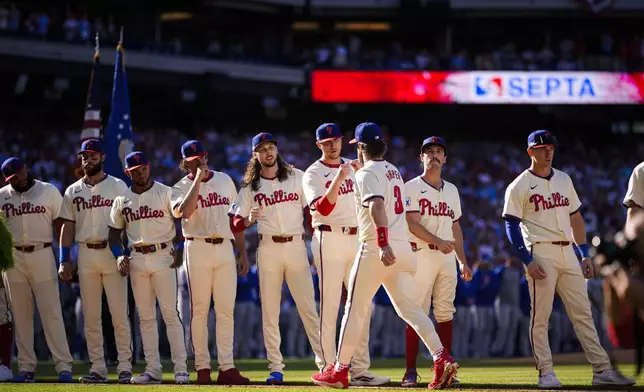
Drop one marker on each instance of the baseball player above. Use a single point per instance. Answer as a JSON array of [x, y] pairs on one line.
[[203, 199], [329, 190], [542, 218], [634, 199], [31, 207], [384, 257], [437, 239], [272, 195], [85, 213], [144, 212], [6, 336]]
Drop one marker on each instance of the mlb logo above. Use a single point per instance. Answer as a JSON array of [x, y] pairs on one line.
[[486, 86]]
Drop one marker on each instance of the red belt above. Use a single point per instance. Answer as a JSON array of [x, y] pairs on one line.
[[345, 230], [214, 241], [100, 245], [281, 239], [31, 248], [415, 247], [145, 249]]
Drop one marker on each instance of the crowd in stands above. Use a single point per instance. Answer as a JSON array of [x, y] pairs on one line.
[[481, 171], [472, 48]]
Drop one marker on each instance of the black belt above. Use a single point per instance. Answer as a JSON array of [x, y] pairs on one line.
[[145, 249], [415, 247], [560, 243], [214, 241], [281, 239], [31, 248], [345, 230], [100, 245]]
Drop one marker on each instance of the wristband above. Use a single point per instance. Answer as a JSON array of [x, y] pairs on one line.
[[583, 249], [63, 256], [383, 236], [117, 251]]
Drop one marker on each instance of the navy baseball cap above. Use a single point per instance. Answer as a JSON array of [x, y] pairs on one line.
[[434, 141], [366, 133], [261, 138], [135, 159], [192, 149], [328, 131], [11, 167], [541, 138], [92, 145]]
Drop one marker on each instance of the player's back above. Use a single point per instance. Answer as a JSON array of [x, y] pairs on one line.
[[381, 179]]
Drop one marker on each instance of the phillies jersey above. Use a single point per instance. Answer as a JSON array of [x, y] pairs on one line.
[[544, 206], [89, 206], [317, 179], [146, 217], [30, 215], [635, 192], [282, 204], [210, 219], [381, 179], [438, 208]]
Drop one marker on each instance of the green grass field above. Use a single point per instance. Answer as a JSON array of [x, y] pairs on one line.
[[514, 374]]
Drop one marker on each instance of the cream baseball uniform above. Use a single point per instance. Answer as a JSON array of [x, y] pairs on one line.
[[89, 207], [148, 221], [30, 219], [210, 264], [381, 179], [334, 246], [282, 254], [544, 206], [635, 192], [436, 273]]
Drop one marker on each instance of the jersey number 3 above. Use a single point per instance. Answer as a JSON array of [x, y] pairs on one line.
[[398, 205]]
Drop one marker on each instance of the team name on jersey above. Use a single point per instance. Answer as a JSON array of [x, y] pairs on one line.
[[144, 212], [275, 198], [345, 188], [212, 200], [554, 201], [96, 201], [439, 209], [25, 208], [393, 174]]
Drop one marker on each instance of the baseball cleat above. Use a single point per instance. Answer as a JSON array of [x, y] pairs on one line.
[[203, 377], [65, 377], [332, 378], [368, 379], [144, 379], [275, 378], [231, 377], [181, 378], [5, 374], [410, 379], [456, 383], [444, 369], [549, 381], [611, 378], [24, 377], [125, 377], [93, 378]]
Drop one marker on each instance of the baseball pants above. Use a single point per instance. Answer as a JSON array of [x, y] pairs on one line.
[[367, 274], [184, 306], [153, 280], [436, 282], [462, 331], [507, 321], [276, 262], [34, 275], [244, 328], [97, 269], [334, 253], [378, 328], [212, 274], [565, 276]]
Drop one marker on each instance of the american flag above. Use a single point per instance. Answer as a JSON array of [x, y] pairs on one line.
[[92, 123]]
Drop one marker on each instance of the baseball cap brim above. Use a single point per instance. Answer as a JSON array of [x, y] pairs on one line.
[[330, 138], [545, 145], [82, 151], [136, 167], [441, 145], [264, 141], [192, 158], [353, 141], [10, 177]]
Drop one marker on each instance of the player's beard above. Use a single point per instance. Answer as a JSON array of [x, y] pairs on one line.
[[266, 164], [93, 170], [28, 183]]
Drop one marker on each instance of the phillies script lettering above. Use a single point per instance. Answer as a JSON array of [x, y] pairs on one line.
[[540, 202], [277, 197], [345, 188], [144, 212], [25, 208], [391, 174], [440, 209], [96, 201], [212, 200]]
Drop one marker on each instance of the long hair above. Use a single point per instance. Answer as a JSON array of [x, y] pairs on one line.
[[375, 149], [254, 171]]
